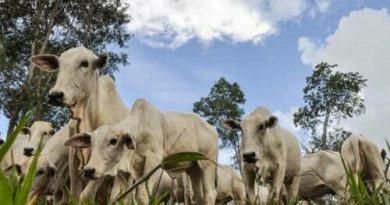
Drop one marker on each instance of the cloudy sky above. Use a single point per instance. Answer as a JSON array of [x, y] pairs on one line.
[[269, 47]]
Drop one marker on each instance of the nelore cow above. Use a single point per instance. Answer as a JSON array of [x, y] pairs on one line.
[[269, 151], [154, 134], [230, 186], [362, 157], [52, 167], [92, 100], [322, 173], [25, 145]]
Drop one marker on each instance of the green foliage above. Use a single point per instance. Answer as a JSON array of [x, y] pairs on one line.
[[329, 96], [41, 26], [224, 101]]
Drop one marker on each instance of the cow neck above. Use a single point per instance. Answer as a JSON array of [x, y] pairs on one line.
[[86, 111], [103, 106]]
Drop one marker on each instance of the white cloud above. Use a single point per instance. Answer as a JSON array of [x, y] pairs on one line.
[[360, 43], [172, 23]]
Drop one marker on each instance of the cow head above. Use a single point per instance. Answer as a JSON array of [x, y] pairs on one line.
[[78, 73], [44, 176], [108, 145], [253, 129], [37, 130]]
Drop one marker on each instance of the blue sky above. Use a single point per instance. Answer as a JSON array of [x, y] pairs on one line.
[[268, 47]]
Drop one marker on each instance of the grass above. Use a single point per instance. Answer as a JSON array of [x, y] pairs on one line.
[[15, 190]]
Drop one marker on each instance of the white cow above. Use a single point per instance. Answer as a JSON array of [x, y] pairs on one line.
[[230, 186], [52, 167], [268, 151], [363, 158], [322, 173], [26, 143], [92, 100], [153, 135]]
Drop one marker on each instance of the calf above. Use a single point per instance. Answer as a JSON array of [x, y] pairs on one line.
[[154, 134], [269, 151], [52, 167], [362, 157]]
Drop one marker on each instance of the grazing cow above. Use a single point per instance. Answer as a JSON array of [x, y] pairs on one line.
[[269, 151], [363, 158], [26, 143], [322, 173], [230, 186], [52, 166], [154, 134], [92, 100]]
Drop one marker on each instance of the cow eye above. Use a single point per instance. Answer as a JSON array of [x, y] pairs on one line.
[[40, 172], [261, 127], [84, 64], [44, 133], [113, 141]]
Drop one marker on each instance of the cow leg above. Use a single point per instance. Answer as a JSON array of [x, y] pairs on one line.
[[209, 182], [152, 160], [277, 182], [196, 176], [75, 179], [121, 182], [294, 188], [90, 190]]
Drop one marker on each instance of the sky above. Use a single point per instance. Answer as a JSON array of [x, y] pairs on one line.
[[269, 47]]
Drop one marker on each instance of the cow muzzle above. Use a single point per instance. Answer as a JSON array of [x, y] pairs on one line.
[[89, 173], [56, 98], [249, 157], [28, 151]]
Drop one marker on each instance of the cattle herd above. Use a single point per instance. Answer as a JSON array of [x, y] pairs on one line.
[[106, 147]]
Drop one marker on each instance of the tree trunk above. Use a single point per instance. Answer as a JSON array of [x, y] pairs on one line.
[[12, 122], [324, 131]]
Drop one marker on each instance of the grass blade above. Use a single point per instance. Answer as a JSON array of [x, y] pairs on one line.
[[22, 196]]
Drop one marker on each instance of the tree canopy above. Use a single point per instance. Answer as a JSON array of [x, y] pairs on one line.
[[329, 96], [224, 101]]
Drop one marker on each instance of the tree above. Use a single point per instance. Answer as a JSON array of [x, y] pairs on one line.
[[223, 102], [33, 27], [329, 97]]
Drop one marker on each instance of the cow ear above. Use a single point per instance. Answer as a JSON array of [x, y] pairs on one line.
[[46, 62], [383, 154], [232, 125], [102, 62], [26, 131], [271, 122], [128, 141], [82, 140]]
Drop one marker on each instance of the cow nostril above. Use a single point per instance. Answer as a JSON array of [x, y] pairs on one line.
[[56, 98], [28, 151], [51, 171], [89, 172], [249, 157]]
